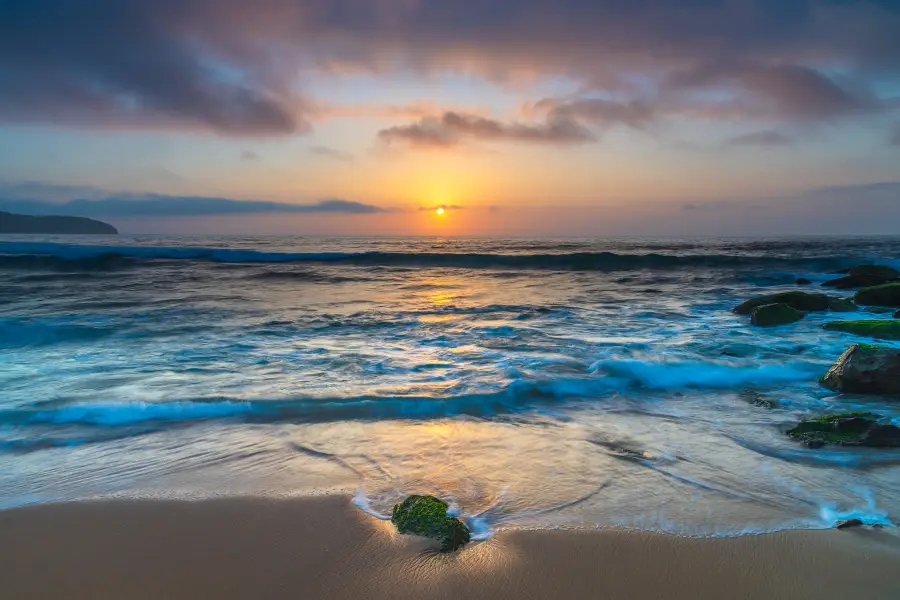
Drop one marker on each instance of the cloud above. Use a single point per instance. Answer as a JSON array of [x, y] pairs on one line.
[[599, 111], [563, 122], [326, 152], [238, 68], [249, 155], [882, 191], [761, 138], [895, 136], [412, 110], [452, 128], [758, 90], [178, 206], [451, 207], [139, 63], [801, 92]]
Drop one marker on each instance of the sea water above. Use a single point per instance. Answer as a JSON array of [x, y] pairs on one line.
[[532, 383]]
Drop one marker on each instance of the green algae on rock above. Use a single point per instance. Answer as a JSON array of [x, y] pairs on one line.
[[808, 301], [879, 295], [847, 429], [770, 315], [427, 516], [865, 369], [882, 329]]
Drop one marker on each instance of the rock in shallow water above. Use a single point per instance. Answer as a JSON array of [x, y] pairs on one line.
[[865, 369], [757, 399], [769, 315], [847, 429], [842, 305], [848, 523], [879, 295], [864, 275], [882, 329], [803, 281], [796, 300], [427, 516]]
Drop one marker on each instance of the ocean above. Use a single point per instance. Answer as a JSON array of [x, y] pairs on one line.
[[535, 383]]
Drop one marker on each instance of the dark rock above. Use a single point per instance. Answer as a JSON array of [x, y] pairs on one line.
[[796, 300], [769, 315], [12, 223], [865, 369], [864, 276], [842, 305], [619, 451], [882, 329], [879, 295], [427, 516], [757, 399], [847, 429], [875, 272], [848, 523], [897, 315], [803, 281]]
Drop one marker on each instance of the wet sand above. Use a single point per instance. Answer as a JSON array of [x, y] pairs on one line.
[[326, 548]]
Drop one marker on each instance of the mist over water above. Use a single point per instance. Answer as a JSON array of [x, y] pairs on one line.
[[535, 383]]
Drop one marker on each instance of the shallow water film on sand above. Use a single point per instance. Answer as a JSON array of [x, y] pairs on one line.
[[532, 383]]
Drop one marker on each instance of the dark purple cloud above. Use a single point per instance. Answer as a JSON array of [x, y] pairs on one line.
[[599, 111], [453, 128], [761, 138], [241, 68]]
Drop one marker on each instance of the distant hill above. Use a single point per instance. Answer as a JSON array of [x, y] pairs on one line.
[[12, 223]]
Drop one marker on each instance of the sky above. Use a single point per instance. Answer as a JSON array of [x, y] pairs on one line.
[[518, 117]]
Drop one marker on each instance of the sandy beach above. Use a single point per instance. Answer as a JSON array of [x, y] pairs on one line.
[[326, 548]]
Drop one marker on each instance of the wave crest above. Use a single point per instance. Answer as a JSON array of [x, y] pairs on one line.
[[53, 255]]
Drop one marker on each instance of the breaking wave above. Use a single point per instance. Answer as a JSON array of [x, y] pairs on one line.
[[620, 376], [52, 255]]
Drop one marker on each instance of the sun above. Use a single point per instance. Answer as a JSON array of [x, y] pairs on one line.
[[440, 210]]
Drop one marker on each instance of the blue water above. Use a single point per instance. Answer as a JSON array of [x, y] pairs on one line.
[[535, 383]]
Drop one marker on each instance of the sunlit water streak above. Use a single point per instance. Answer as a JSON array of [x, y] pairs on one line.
[[533, 383]]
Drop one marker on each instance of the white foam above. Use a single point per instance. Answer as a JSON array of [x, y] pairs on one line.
[[673, 375]]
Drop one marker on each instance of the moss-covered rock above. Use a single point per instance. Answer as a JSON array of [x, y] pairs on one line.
[[882, 329], [842, 305], [865, 369], [864, 276], [879, 295], [807, 301], [427, 516], [769, 315], [847, 429]]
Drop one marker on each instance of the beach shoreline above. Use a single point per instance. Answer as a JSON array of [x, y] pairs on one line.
[[324, 547]]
